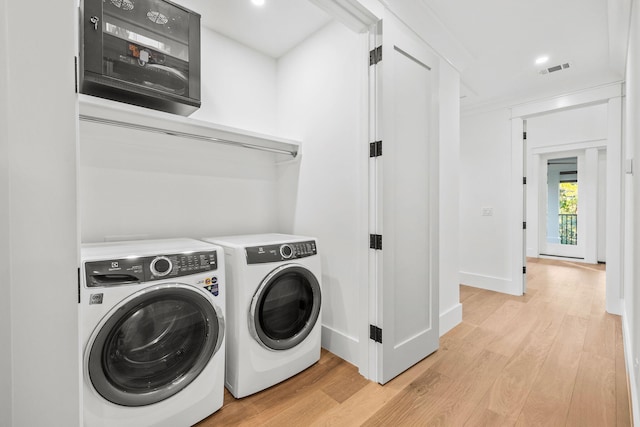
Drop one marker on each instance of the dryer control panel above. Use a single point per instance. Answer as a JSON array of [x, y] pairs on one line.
[[280, 252], [122, 271]]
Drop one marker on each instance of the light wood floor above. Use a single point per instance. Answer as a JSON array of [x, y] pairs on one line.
[[550, 358]]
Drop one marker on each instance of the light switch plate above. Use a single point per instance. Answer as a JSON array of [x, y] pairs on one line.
[[487, 211]]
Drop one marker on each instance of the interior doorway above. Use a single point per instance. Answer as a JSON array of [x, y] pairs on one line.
[[566, 204], [560, 202], [588, 121]]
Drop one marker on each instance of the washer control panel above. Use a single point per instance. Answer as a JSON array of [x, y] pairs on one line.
[[280, 252], [122, 271]]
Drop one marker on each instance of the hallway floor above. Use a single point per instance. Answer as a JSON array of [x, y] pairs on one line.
[[553, 357]]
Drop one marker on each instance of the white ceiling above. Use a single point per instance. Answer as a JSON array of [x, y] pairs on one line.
[[501, 39], [273, 28], [504, 37]]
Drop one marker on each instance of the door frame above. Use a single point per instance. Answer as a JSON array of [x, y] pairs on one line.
[[588, 203], [361, 17], [612, 96], [542, 205]]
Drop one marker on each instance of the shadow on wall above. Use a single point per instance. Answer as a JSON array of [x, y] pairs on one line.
[[142, 185], [288, 183]]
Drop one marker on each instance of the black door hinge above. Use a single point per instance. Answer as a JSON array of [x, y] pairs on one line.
[[524, 135], [524, 180], [524, 270], [375, 55], [375, 241], [375, 149], [75, 61], [375, 333], [524, 225]]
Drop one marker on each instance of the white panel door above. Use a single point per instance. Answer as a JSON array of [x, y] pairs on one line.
[[408, 195]]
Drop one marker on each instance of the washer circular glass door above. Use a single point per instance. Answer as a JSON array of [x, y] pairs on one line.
[[285, 308], [153, 344]]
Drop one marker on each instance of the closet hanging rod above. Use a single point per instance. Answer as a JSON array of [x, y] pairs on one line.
[[292, 152]]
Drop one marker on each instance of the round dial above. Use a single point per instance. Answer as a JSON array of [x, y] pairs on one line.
[[286, 251], [161, 266]]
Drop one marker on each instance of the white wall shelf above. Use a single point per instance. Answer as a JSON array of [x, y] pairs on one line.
[[111, 113]]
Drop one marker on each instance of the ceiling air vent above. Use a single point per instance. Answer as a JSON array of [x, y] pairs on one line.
[[555, 68]]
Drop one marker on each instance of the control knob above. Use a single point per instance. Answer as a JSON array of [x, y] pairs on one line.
[[286, 251], [161, 266]]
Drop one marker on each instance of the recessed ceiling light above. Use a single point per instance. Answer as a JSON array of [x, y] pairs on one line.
[[541, 60], [258, 2]]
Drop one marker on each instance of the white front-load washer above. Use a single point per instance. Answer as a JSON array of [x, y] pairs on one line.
[[152, 332], [273, 309]]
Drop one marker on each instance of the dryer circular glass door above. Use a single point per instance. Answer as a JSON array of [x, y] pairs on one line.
[[285, 308], [153, 344]]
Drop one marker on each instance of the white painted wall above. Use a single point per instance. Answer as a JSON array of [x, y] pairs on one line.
[[238, 85], [568, 126], [6, 384], [38, 204], [485, 182], [141, 185], [631, 294], [320, 89], [450, 169]]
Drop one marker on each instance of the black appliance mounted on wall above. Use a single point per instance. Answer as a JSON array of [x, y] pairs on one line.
[[142, 52]]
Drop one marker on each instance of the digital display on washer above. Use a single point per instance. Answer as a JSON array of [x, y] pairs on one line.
[[144, 269], [281, 252]]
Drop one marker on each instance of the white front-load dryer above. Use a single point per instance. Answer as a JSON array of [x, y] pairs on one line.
[[152, 332], [273, 309]]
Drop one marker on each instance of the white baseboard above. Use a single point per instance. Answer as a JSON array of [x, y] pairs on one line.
[[340, 344], [489, 283], [450, 319], [615, 306], [347, 347], [628, 355]]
